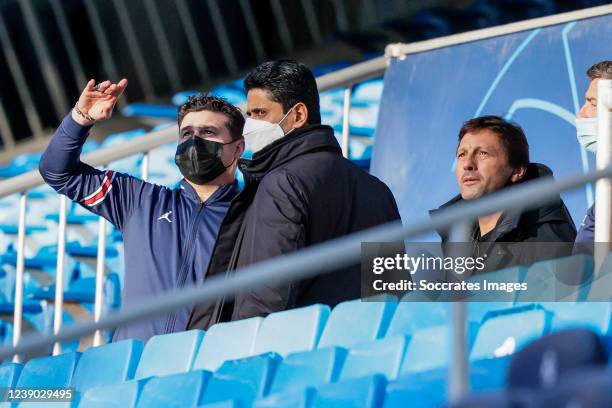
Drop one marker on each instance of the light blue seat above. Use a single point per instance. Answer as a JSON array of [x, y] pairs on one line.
[[55, 371], [178, 390], [292, 330], [291, 399], [566, 278], [243, 380], [357, 321], [223, 404], [411, 316], [108, 364], [169, 354], [429, 388], [120, 395], [596, 316], [379, 357], [150, 110], [9, 374], [429, 348], [365, 392], [310, 368], [503, 334], [227, 341]]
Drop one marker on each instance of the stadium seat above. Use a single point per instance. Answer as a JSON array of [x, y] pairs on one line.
[[150, 110], [9, 374], [365, 392], [310, 368], [504, 333], [545, 361], [243, 380], [178, 390], [292, 330], [45, 372], [227, 341], [121, 395], [292, 399], [169, 354], [108, 364], [596, 316], [357, 321], [379, 357], [429, 388]]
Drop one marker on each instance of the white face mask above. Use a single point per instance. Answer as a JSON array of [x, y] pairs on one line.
[[586, 131], [259, 133]]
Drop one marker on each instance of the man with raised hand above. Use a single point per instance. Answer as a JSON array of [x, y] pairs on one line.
[[168, 233], [299, 191]]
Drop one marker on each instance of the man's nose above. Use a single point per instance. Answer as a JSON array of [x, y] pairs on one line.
[[583, 112], [469, 163]]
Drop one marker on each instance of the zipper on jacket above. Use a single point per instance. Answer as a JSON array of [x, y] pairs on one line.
[[182, 275]]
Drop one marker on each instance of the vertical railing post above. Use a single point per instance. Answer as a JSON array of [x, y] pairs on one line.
[[144, 170], [458, 384], [346, 126], [58, 308], [603, 187], [20, 267]]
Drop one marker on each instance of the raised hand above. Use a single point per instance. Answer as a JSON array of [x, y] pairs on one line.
[[96, 103]]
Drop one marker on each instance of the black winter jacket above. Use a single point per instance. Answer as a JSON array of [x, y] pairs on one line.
[[550, 223], [299, 191]]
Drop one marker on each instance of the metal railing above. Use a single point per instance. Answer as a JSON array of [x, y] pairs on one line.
[[327, 257]]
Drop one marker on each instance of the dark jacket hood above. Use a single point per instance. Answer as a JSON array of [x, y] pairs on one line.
[[300, 141], [551, 211]]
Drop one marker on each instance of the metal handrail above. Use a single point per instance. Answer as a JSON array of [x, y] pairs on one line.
[[318, 259]]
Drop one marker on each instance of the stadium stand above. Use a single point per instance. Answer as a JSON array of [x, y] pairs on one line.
[[358, 354]]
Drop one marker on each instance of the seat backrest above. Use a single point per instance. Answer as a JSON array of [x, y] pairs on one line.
[[292, 331], [383, 356], [108, 364], [357, 321], [227, 341], [120, 395], [9, 374], [174, 391], [167, 354], [596, 316], [366, 392], [309, 368], [54, 371]]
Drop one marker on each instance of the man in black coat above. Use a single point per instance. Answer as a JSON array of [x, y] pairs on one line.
[[493, 154], [299, 191]]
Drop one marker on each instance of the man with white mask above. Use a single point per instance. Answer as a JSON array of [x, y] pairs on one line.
[[299, 191], [586, 129]]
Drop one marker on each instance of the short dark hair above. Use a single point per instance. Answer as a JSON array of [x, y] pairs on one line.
[[235, 118], [289, 82], [511, 134], [601, 70]]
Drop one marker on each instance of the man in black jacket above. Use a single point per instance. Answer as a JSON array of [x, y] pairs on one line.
[[299, 191], [494, 154]]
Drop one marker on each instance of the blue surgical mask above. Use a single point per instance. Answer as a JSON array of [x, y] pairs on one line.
[[586, 131]]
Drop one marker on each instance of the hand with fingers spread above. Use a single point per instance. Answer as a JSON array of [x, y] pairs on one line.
[[96, 102]]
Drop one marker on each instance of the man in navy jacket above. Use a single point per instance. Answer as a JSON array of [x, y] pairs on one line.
[[168, 233]]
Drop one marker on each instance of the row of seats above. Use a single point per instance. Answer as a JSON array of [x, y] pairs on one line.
[[287, 352]]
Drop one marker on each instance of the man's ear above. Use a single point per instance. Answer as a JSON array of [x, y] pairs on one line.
[[300, 112], [239, 149], [518, 174]]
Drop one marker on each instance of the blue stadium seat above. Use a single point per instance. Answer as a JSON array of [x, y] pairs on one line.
[[45, 372], [243, 380], [169, 354], [9, 374], [182, 97], [223, 404], [504, 333], [292, 330], [596, 316], [292, 399], [429, 348], [310, 368], [150, 110], [411, 316], [379, 357], [365, 392], [227, 341], [121, 395], [357, 321], [178, 390], [108, 364], [429, 388]]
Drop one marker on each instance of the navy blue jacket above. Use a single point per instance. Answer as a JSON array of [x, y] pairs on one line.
[[586, 233], [168, 234]]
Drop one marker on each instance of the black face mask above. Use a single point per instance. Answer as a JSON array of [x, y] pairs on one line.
[[199, 160]]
